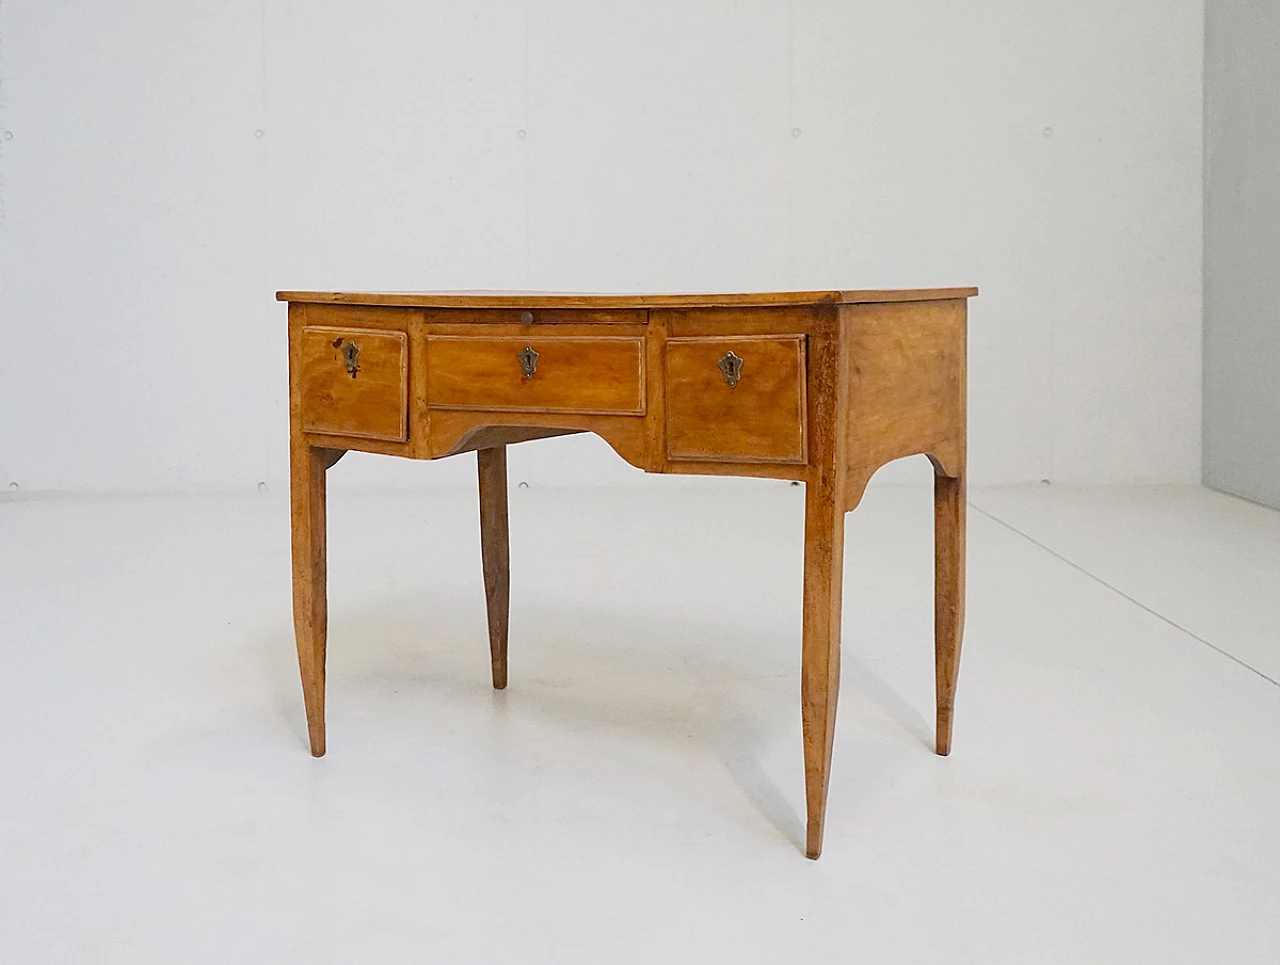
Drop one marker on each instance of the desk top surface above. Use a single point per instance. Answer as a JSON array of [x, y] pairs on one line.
[[515, 299]]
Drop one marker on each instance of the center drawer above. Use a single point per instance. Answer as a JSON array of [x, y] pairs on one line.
[[600, 375]]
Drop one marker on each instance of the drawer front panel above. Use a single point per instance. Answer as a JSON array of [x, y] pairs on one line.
[[354, 382], [602, 375], [758, 418]]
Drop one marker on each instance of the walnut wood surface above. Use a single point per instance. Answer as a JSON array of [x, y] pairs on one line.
[[307, 467], [834, 385], [496, 555], [454, 430], [368, 397], [905, 366], [823, 572], [601, 374], [948, 607], [535, 300], [310, 606], [535, 317]]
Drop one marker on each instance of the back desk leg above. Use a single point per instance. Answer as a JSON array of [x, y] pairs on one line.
[[948, 607], [495, 550]]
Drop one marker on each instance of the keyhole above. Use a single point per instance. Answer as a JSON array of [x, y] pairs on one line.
[[731, 368], [351, 357]]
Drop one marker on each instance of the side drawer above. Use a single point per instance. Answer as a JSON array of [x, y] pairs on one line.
[[736, 398], [354, 382], [599, 375]]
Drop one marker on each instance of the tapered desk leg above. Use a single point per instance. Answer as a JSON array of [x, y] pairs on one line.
[[820, 673], [949, 558], [310, 607], [496, 552]]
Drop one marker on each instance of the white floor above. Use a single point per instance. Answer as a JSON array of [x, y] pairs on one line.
[[636, 795]]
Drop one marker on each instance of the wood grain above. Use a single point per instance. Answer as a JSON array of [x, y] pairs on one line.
[[948, 606], [310, 606], [905, 365], [604, 375], [536, 300], [775, 320], [823, 574], [834, 385], [307, 467], [495, 553], [383, 318], [452, 430], [761, 419], [536, 317], [370, 401], [491, 437]]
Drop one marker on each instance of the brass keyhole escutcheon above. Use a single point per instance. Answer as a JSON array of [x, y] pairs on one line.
[[731, 368], [528, 360], [351, 358]]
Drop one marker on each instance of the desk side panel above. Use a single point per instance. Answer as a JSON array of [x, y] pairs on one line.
[[905, 369]]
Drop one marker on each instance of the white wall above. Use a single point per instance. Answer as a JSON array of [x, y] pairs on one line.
[[1048, 152], [1242, 249]]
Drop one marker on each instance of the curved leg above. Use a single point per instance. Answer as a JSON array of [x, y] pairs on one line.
[[820, 672], [495, 551], [948, 605], [310, 605]]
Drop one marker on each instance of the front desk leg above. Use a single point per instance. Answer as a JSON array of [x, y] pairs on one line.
[[495, 550], [948, 607], [820, 671], [307, 466]]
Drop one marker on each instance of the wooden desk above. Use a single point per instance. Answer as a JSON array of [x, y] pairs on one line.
[[823, 387]]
